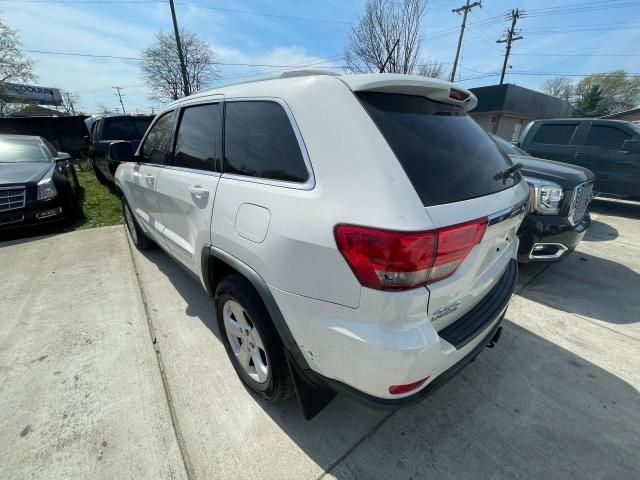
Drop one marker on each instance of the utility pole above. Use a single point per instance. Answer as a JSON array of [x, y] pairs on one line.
[[384, 65], [510, 38], [465, 9], [183, 67], [117, 89]]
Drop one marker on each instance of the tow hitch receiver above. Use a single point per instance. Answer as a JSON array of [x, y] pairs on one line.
[[495, 338]]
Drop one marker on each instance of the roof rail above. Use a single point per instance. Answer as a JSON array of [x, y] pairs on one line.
[[307, 72]]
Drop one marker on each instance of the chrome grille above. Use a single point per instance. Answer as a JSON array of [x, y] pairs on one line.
[[11, 198], [582, 195]]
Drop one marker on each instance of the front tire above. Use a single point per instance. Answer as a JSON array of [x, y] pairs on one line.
[[138, 237], [251, 341]]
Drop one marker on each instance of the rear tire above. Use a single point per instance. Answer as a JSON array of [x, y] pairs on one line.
[[138, 237], [251, 341]]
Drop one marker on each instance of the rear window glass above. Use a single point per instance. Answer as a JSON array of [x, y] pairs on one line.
[[446, 155], [125, 128], [508, 148], [606, 137], [555, 134]]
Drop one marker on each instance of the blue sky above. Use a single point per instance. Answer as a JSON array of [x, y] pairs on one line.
[[602, 36]]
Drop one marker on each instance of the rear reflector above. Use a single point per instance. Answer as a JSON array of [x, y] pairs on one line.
[[458, 95], [399, 389], [391, 260]]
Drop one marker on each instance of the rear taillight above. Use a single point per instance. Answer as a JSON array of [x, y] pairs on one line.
[[390, 260], [458, 95]]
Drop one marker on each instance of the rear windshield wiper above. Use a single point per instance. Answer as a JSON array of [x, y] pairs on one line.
[[507, 172]]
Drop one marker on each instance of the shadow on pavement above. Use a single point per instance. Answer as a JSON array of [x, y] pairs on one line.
[[528, 409], [617, 208], [590, 286], [600, 232]]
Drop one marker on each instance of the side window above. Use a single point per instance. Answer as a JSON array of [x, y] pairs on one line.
[[157, 145], [260, 142], [197, 140], [606, 137], [94, 130], [555, 134], [50, 147]]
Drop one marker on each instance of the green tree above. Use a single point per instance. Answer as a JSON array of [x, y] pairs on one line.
[[592, 104], [619, 90]]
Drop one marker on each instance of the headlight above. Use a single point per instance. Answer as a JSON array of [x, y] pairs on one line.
[[546, 196], [46, 188]]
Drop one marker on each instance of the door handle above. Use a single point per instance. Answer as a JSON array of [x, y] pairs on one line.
[[198, 192], [579, 155], [149, 178]]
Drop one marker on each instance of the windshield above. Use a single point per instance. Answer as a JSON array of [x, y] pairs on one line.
[[509, 148], [444, 152], [125, 128], [23, 151]]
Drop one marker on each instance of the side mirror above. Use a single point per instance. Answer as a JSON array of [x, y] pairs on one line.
[[120, 152], [63, 156], [631, 146], [157, 156]]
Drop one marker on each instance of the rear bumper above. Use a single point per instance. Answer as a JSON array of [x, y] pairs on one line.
[[362, 360], [440, 380], [550, 229]]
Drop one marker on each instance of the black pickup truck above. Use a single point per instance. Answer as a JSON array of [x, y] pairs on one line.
[[558, 215], [106, 130], [609, 148]]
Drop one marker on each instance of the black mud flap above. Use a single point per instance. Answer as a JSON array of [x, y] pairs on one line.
[[312, 398]]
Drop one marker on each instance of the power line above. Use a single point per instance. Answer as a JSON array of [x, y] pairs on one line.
[[550, 74], [138, 59], [191, 4]]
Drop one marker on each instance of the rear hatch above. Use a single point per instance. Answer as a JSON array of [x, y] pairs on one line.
[[454, 167]]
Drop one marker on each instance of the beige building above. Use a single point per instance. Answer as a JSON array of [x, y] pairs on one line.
[[505, 109]]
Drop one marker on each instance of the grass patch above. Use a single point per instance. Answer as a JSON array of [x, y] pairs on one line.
[[101, 207]]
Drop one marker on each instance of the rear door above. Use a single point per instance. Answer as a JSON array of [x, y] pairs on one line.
[[187, 186], [617, 171], [153, 155], [553, 140], [454, 167]]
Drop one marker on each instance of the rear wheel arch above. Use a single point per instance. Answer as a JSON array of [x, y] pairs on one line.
[[218, 264]]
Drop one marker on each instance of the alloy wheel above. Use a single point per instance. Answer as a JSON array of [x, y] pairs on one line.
[[245, 341]]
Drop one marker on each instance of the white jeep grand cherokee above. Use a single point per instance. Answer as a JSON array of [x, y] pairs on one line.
[[358, 232]]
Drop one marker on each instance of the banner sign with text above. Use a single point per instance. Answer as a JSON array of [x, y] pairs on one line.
[[19, 93]]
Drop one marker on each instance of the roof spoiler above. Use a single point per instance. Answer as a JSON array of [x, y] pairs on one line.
[[434, 89]]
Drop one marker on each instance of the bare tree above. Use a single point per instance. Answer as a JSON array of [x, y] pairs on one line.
[[161, 65], [14, 65], [433, 69], [69, 102], [559, 87], [386, 37]]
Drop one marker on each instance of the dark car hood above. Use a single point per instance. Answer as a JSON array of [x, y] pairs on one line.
[[565, 175], [23, 172]]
